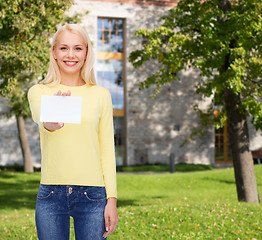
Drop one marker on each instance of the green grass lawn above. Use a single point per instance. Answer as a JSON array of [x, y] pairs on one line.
[[196, 205], [181, 167]]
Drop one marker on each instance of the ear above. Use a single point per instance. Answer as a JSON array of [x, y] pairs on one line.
[[54, 53]]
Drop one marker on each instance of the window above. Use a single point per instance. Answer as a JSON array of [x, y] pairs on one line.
[[222, 147], [110, 74]]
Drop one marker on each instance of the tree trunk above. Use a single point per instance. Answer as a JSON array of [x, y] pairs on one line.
[[242, 157], [238, 131], [28, 166]]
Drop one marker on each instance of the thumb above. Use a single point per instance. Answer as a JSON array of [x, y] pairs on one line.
[[60, 124], [107, 223]]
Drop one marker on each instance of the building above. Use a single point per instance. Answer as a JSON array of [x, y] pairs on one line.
[[147, 130]]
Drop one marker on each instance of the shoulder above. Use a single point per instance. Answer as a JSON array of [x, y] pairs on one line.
[[100, 90], [36, 89]]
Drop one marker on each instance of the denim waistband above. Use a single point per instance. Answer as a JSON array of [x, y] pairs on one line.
[[66, 188]]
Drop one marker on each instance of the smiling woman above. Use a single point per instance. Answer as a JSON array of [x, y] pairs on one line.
[[78, 169], [70, 54]]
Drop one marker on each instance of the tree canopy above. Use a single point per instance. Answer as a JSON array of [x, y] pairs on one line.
[[201, 34], [222, 39], [26, 28]]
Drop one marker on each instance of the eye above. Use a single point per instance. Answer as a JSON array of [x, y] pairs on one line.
[[78, 48], [63, 48]]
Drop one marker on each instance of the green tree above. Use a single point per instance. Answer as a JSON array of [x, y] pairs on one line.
[[26, 27], [221, 36]]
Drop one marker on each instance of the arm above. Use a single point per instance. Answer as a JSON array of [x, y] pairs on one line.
[[107, 147], [107, 158]]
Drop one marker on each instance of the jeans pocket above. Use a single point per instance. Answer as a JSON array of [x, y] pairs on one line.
[[45, 192], [97, 194]]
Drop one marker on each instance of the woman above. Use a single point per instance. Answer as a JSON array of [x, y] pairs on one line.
[[78, 176]]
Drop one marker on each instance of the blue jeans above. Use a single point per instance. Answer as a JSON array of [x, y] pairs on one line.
[[56, 203]]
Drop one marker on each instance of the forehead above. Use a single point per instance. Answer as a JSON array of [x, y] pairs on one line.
[[70, 38]]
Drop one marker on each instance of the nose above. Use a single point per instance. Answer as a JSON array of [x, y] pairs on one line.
[[71, 53]]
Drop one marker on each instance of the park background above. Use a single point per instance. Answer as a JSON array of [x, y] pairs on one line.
[[148, 130]]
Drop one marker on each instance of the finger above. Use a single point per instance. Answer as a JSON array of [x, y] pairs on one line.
[[64, 94], [69, 93], [111, 228], [106, 234], [106, 226], [59, 93], [60, 124], [114, 224]]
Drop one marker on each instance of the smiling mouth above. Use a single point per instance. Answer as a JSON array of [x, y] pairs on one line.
[[70, 63]]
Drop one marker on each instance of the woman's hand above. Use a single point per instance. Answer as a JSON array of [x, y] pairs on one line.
[[111, 217], [52, 126]]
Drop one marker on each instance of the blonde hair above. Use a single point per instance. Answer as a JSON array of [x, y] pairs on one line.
[[53, 76]]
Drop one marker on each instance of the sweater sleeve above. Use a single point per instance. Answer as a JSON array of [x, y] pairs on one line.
[[107, 148], [34, 98]]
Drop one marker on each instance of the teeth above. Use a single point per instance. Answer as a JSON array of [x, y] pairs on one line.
[[70, 63]]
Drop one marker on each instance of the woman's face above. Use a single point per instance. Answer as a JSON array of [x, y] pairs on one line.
[[70, 52]]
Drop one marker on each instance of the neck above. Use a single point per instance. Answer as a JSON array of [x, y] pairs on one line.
[[72, 79]]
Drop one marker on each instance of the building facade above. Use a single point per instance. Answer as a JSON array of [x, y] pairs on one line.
[[147, 130]]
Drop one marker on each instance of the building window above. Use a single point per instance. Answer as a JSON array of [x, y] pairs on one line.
[[110, 35], [222, 147], [110, 74]]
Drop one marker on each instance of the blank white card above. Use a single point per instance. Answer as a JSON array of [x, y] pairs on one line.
[[66, 109]]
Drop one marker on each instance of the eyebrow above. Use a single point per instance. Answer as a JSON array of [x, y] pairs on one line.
[[63, 44]]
